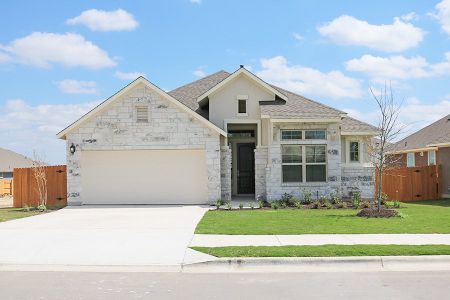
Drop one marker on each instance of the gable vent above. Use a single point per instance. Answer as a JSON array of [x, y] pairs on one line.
[[142, 114]]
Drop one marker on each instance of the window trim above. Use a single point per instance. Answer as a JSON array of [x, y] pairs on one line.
[[350, 152], [434, 155], [303, 134], [304, 164], [413, 159], [242, 98]]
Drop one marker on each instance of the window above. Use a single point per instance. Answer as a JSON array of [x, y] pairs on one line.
[[315, 164], [311, 169], [292, 163], [432, 157], [410, 159], [354, 151], [291, 135], [242, 106], [142, 114], [315, 135]]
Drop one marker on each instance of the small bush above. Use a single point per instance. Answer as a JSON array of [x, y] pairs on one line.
[[218, 203], [364, 204], [296, 202], [384, 198], [356, 199], [341, 205], [42, 207], [274, 205], [335, 199], [328, 204], [307, 196], [251, 205], [286, 199], [228, 205], [396, 204], [316, 204], [241, 206], [344, 204], [261, 203]]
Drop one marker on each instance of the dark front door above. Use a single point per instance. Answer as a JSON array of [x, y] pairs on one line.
[[246, 168]]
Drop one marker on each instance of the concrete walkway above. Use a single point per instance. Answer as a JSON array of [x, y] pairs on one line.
[[218, 240]]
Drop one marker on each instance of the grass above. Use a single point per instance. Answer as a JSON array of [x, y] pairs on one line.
[[7, 214], [418, 217], [326, 250]]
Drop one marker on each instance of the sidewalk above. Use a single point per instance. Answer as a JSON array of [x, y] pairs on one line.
[[218, 240]]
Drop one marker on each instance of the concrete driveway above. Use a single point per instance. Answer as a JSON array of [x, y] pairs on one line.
[[103, 235]]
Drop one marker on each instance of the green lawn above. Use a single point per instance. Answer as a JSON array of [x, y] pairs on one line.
[[7, 214], [326, 250], [419, 217]]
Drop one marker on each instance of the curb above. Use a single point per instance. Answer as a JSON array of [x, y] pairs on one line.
[[322, 264]]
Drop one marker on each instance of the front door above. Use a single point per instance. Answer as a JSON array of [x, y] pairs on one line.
[[246, 168]]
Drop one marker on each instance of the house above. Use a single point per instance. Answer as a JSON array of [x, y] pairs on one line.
[[428, 146], [222, 136], [10, 160]]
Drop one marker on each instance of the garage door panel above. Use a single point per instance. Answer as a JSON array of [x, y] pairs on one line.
[[144, 177]]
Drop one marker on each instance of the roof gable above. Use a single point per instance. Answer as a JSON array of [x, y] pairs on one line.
[[116, 96], [242, 72]]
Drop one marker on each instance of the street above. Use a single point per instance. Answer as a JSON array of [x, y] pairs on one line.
[[335, 285]]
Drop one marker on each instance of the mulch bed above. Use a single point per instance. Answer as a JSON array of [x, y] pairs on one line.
[[374, 213]]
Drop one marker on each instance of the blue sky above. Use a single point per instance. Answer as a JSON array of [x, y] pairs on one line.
[[60, 58]]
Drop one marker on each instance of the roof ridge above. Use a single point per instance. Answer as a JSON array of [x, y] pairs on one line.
[[200, 79]]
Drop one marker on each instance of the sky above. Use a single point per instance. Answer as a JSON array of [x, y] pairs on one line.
[[58, 59]]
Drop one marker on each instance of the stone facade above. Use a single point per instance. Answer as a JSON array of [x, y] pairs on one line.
[[225, 172], [115, 128], [261, 154], [358, 179]]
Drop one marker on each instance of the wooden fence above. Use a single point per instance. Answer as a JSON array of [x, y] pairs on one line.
[[412, 184], [6, 187], [25, 187]]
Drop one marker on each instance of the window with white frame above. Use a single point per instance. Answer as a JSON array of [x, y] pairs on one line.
[[297, 134], [431, 157], [354, 151], [410, 159], [242, 105], [311, 169], [142, 114]]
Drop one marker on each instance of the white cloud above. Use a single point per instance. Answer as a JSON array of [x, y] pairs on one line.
[[442, 14], [199, 73], [309, 81], [43, 49], [398, 67], [195, 1], [28, 127], [395, 37], [101, 20], [128, 75], [71, 86], [412, 16], [297, 36]]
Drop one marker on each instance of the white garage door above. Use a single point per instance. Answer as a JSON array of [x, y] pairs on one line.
[[144, 177]]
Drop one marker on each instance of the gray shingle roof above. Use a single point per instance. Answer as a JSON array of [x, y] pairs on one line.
[[352, 125], [435, 133], [10, 160], [295, 107]]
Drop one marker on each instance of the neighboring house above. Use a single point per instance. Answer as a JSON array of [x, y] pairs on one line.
[[10, 160], [218, 137], [428, 146]]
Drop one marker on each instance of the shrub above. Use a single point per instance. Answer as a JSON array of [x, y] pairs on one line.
[[297, 203], [396, 204], [286, 200], [42, 207], [307, 196], [316, 204], [26, 208], [364, 204], [344, 205], [341, 205], [261, 203], [241, 206], [335, 199], [327, 204], [251, 205], [384, 198], [218, 203], [356, 199], [274, 205], [228, 205]]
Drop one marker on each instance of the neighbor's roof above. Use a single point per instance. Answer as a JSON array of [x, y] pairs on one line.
[[435, 134], [10, 160]]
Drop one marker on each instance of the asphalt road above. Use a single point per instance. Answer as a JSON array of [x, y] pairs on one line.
[[92, 285]]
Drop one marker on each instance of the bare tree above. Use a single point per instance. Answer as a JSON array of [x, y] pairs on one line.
[[389, 130], [39, 174]]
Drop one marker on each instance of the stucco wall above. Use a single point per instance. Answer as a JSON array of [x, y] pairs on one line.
[[223, 104], [168, 128]]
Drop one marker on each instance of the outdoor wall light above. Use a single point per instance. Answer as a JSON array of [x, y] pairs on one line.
[[72, 149]]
